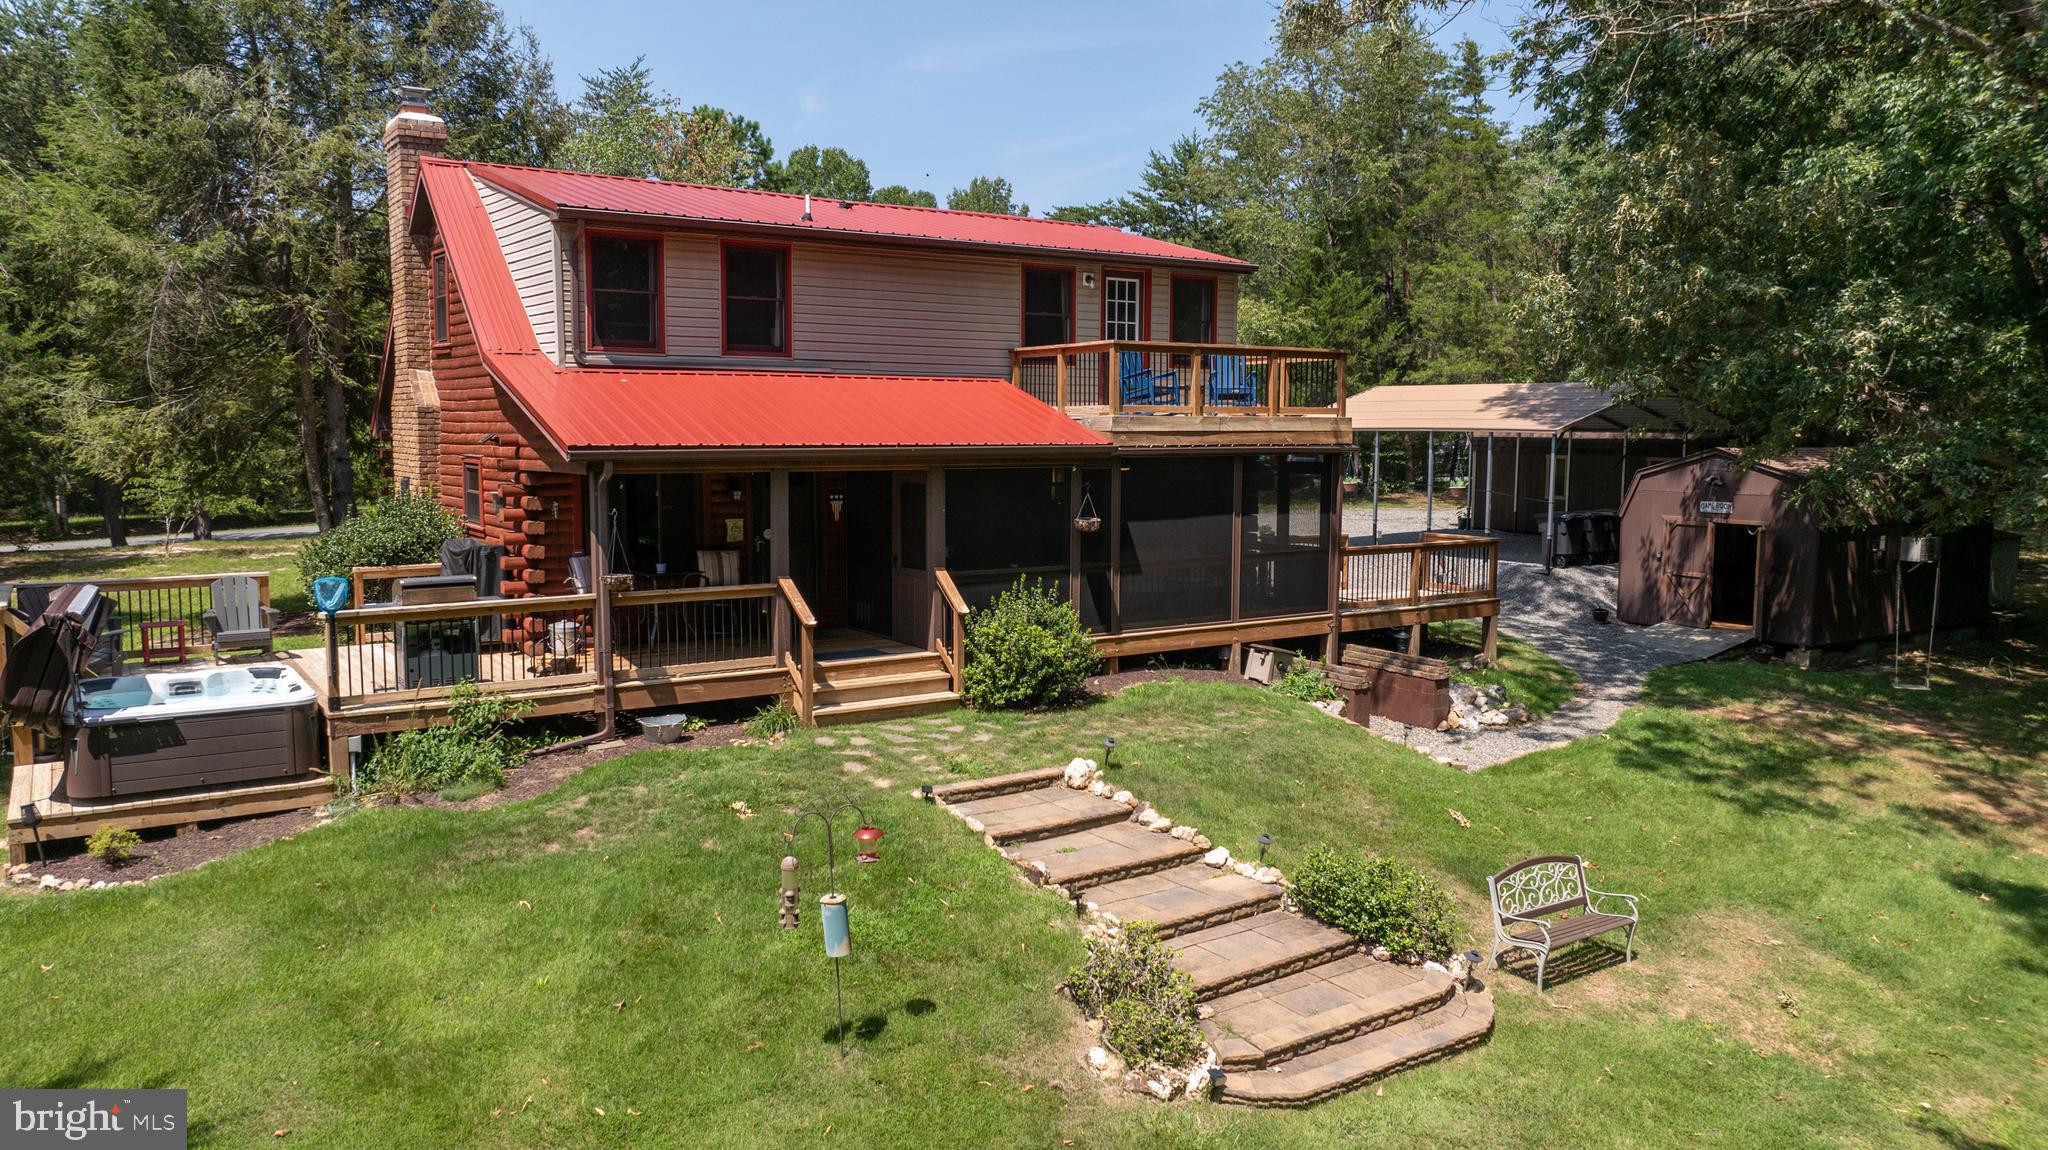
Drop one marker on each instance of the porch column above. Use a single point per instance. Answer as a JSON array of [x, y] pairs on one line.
[[1515, 498], [778, 549], [1116, 553], [1236, 657], [1489, 482], [599, 478], [1333, 538], [1429, 482], [1375, 487], [934, 518]]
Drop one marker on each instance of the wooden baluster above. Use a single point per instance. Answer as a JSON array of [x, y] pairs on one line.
[[1060, 383]]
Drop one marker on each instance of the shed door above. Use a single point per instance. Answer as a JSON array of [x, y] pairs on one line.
[[1688, 574]]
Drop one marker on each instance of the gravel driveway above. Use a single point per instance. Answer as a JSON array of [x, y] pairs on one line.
[[1554, 614]]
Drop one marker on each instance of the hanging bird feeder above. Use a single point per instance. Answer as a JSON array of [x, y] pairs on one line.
[[867, 837]]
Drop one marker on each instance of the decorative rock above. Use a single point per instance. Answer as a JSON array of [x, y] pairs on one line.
[[1144, 813], [1159, 1088], [1266, 874], [1098, 788], [1434, 965], [1492, 719], [1198, 1079], [74, 884], [1218, 858], [1460, 969], [1381, 954], [1331, 707], [1124, 797], [100, 884], [1080, 773], [1244, 868], [1204, 1011], [1158, 822], [1104, 1062], [1038, 872], [51, 882], [1201, 842], [1183, 832], [17, 868]]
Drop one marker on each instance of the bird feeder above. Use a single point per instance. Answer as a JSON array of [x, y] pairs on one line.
[[867, 837], [838, 936], [789, 912]]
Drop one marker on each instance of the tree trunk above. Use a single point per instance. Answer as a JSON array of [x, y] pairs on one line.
[[109, 496], [341, 483], [309, 437], [202, 522]]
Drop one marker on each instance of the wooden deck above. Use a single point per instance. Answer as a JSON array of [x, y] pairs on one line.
[[61, 818]]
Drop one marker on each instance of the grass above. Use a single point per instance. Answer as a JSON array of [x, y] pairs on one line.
[[278, 556], [1531, 677]]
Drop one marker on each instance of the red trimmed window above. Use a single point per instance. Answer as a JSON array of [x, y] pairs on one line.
[[439, 297], [756, 295], [625, 292], [1193, 309], [472, 494], [1048, 306]]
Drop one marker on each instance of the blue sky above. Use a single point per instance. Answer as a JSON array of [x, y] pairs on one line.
[[1063, 99]]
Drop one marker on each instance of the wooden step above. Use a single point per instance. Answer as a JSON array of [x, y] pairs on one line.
[[1463, 1021], [844, 672], [1259, 949], [896, 706], [1089, 858], [1326, 1003], [1183, 898], [924, 682], [969, 789], [1039, 813]]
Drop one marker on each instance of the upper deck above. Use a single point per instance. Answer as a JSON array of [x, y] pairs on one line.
[[1236, 393]]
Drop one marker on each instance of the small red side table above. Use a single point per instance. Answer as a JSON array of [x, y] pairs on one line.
[[163, 641]]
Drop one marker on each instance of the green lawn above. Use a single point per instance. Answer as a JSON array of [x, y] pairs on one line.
[[277, 556], [1531, 677], [1844, 942]]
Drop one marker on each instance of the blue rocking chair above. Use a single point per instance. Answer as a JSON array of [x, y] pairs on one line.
[[1230, 382], [1142, 388]]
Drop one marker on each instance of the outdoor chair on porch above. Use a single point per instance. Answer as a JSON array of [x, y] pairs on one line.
[[1527, 893], [238, 619], [1230, 382], [1141, 387]]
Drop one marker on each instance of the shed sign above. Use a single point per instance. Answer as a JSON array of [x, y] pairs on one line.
[[1716, 507]]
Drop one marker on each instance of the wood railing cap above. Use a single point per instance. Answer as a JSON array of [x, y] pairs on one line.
[[797, 606], [428, 612]]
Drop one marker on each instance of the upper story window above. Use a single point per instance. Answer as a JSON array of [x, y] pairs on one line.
[[1123, 306], [1194, 310], [625, 292], [439, 301], [756, 300], [1048, 306]]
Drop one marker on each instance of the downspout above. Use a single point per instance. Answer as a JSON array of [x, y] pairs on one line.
[[601, 622]]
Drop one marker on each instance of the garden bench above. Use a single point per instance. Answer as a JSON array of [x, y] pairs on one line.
[[1527, 893]]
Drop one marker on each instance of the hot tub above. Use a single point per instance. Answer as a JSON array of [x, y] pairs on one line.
[[169, 730]]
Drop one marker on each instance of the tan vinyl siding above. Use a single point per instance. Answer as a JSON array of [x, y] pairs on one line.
[[1226, 309], [528, 239], [690, 300]]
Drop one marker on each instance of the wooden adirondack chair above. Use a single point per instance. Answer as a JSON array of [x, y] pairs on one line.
[[238, 619], [1145, 388], [1230, 382]]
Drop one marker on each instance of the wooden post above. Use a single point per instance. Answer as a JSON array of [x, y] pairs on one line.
[[1276, 382], [1196, 383], [1237, 536], [333, 661], [1116, 551], [1415, 639], [1060, 382], [1489, 630], [1112, 381], [1489, 483], [23, 745], [1333, 538], [1416, 566], [1550, 508], [778, 551], [1375, 487], [1429, 482]]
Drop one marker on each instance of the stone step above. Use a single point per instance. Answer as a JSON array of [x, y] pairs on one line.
[[1183, 898], [1463, 1021], [969, 789], [869, 710], [1041, 813], [1250, 951], [1322, 1005], [1090, 858]]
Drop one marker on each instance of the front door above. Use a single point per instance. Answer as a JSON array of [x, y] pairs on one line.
[[1688, 573], [910, 567]]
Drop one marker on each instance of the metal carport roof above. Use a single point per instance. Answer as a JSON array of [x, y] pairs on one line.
[[1506, 409]]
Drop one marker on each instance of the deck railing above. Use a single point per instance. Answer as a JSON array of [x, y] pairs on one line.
[[368, 585], [803, 662], [161, 599], [692, 630], [1154, 378], [425, 651], [951, 609], [1437, 567]]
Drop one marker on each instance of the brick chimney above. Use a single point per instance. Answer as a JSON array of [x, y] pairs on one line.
[[415, 404]]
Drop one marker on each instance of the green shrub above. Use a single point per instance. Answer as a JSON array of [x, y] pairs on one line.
[[1304, 680], [1026, 649], [1382, 901], [773, 720], [1146, 1006], [465, 756], [398, 529], [113, 844]]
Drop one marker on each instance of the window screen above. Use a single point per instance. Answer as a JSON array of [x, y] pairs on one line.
[[1194, 311], [1048, 294], [1286, 566], [1174, 559], [756, 300], [624, 291], [1002, 523]]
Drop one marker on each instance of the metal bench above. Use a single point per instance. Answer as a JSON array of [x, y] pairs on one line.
[[1527, 893]]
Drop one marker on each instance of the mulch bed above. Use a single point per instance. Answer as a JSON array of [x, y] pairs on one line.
[[163, 853]]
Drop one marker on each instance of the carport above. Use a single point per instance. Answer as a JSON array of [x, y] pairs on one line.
[[1536, 450]]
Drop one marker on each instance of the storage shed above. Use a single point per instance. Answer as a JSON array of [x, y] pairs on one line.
[[1707, 543]]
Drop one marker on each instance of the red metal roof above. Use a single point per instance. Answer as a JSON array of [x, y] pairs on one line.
[[560, 191], [602, 409]]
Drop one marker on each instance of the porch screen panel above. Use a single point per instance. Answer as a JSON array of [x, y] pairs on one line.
[[1174, 558], [1092, 597], [1286, 568], [1006, 523]]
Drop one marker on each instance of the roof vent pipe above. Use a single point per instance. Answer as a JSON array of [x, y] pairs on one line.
[[807, 207]]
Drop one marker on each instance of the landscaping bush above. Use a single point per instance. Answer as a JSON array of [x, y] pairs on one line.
[[112, 844], [1382, 901], [1146, 1006], [465, 756], [1026, 649], [770, 721], [398, 529], [1304, 680]]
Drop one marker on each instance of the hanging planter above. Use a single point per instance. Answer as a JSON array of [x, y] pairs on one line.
[[1087, 522]]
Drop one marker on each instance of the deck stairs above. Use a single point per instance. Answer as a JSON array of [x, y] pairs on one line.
[[1295, 1011], [873, 687]]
